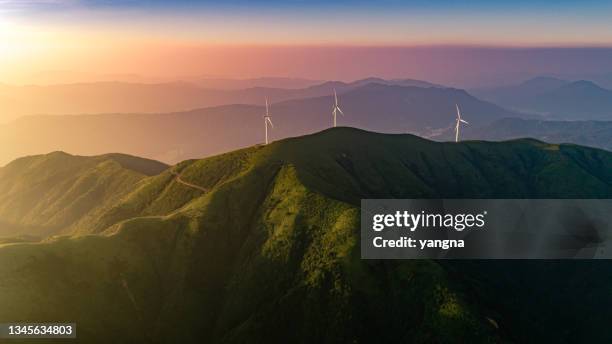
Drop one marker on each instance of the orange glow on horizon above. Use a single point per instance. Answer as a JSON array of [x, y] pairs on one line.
[[172, 46]]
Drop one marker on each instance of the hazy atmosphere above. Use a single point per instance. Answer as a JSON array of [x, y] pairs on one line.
[[195, 171], [467, 44]]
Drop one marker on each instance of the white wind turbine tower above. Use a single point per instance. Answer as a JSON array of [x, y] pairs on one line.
[[336, 108], [267, 120], [459, 121]]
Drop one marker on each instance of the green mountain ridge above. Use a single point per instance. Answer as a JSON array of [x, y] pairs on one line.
[[49, 194], [271, 252]]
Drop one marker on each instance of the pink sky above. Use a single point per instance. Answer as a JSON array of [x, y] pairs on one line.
[[318, 42]]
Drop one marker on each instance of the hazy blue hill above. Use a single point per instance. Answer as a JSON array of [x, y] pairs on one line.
[[270, 253], [603, 79], [555, 98], [542, 84], [577, 100], [256, 94], [49, 194], [396, 82], [515, 94], [587, 133], [239, 84], [179, 136], [111, 96]]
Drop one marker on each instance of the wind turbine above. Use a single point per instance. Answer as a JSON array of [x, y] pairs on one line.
[[336, 108], [459, 121], [267, 120]]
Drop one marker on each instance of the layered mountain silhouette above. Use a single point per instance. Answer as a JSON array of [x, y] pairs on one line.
[[126, 97], [294, 83], [177, 136], [555, 98], [239, 84], [515, 94], [265, 249], [577, 100], [587, 133], [602, 79]]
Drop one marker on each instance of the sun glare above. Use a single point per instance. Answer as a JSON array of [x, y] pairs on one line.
[[13, 41], [21, 46], [4, 38]]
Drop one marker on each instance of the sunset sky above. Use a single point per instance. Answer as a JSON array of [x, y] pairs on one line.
[[435, 40]]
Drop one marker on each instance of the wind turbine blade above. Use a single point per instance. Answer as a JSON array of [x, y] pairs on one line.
[[335, 97], [270, 121], [458, 111], [342, 113], [464, 121], [267, 107]]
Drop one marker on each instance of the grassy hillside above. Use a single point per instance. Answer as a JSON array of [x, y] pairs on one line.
[[270, 253], [50, 194]]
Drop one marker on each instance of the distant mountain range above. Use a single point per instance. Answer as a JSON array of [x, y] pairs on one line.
[[587, 133], [579, 100], [554, 98], [124, 97], [56, 77], [269, 251], [602, 79], [550, 97], [177, 136], [515, 94], [239, 84]]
